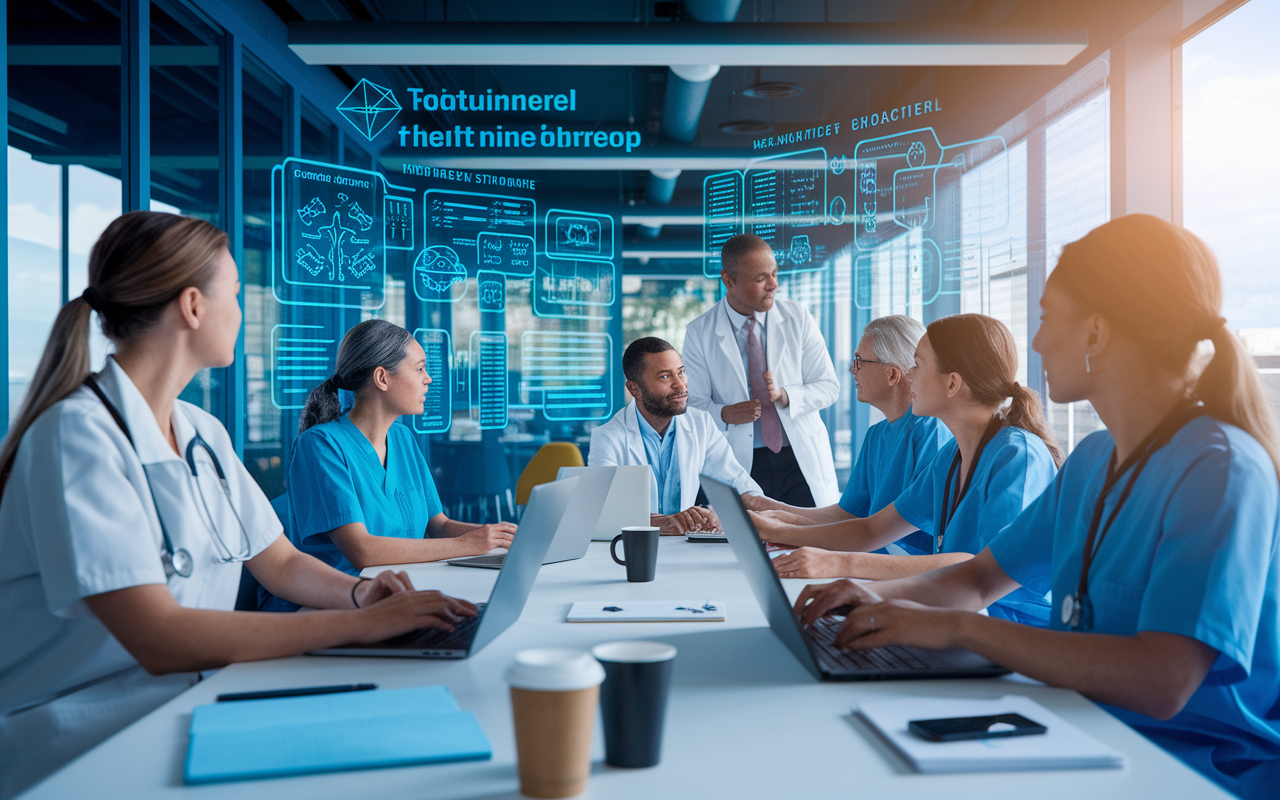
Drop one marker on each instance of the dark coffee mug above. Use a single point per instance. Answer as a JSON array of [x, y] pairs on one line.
[[633, 700], [640, 545]]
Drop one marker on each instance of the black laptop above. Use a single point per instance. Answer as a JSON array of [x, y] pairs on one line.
[[547, 505], [813, 646]]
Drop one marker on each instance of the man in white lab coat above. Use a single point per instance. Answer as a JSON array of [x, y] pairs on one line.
[[760, 367], [677, 442]]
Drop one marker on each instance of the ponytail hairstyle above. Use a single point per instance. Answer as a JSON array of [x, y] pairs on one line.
[[140, 264], [1159, 284], [371, 344], [982, 351]]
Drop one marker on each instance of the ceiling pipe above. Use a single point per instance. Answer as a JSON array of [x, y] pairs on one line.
[[660, 190]]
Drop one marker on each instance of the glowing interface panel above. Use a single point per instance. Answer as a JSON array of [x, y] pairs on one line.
[[301, 359], [579, 235], [332, 226], [465, 231], [722, 201], [786, 197], [437, 411], [487, 390], [569, 374]]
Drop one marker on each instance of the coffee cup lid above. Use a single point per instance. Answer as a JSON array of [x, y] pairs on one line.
[[641, 528], [634, 652], [554, 669]]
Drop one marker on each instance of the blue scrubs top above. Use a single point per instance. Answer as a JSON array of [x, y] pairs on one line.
[[335, 478], [893, 455], [1015, 467], [1192, 552]]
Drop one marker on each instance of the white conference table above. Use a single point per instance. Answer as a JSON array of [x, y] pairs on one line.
[[745, 719]]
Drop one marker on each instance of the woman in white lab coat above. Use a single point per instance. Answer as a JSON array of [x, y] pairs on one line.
[[120, 546]]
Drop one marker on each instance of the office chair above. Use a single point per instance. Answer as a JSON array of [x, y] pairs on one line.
[[545, 465]]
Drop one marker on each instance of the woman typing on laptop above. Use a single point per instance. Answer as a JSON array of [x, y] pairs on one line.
[[1002, 457], [126, 515], [1159, 536], [360, 491]]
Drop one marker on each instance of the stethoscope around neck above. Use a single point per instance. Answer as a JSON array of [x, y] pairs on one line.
[[178, 561]]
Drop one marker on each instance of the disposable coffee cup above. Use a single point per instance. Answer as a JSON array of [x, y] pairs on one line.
[[640, 546], [553, 701], [633, 700]]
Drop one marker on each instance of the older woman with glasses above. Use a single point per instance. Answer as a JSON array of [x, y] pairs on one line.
[[894, 451]]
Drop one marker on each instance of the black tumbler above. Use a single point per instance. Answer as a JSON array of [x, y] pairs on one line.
[[640, 546], [633, 700]]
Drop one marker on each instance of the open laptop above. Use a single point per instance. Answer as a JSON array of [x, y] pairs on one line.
[[577, 523], [813, 646], [627, 504], [546, 505]]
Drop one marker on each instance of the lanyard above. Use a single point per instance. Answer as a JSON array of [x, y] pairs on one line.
[[950, 503], [1076, 609]]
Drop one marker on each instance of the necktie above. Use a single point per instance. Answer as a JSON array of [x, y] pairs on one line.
[[770, 425]]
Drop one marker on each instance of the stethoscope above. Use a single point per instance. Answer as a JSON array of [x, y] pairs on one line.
[[178, 561], [951, 502], [1077, 610]]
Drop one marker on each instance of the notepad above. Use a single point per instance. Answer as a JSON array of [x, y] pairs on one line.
[[1063, 746], [647, 611], [330, 733]]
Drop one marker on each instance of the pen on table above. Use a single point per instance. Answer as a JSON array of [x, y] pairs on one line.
[[299, 692]]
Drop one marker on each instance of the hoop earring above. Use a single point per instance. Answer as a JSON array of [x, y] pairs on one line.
[[1086, 363]]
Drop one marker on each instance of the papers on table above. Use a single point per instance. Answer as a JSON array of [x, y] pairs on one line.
[[1063, 746], [647, 611], [330, 733]]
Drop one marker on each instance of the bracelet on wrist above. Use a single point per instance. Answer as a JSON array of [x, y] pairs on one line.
[[359, 581]]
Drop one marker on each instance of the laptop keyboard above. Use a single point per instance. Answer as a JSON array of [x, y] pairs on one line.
[[893, 657], [429, 639]]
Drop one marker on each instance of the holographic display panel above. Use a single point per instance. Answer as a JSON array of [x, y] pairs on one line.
[[569, 374], [488, 386], [301, 358], [437, 411]]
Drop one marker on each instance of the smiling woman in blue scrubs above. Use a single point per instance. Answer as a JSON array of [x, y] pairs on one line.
[[359, 488], [1001, 459], [1158, 538], [895, 451]]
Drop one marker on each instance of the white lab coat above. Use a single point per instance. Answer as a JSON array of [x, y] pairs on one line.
[[700, 447], [76, 520], [798, 359]]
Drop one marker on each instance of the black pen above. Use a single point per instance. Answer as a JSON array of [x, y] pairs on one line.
[[301, 692]]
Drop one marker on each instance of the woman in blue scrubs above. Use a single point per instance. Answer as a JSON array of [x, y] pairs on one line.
[[359, 488], [895, 451], [1000, 460], [1159, 536]]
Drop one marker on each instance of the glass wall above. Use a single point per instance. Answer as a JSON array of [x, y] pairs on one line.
[[64, 163], [515, 282]]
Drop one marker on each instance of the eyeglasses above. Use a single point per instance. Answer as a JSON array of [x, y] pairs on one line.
[[858, 361]]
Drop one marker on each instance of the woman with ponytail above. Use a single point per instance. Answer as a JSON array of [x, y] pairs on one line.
[[361, 492], [120, 550], [1159, 538], [1002, 457]]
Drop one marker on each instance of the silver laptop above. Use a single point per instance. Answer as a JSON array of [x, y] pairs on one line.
[[573, 534], [628, 502], [813, 646], [546, 506]]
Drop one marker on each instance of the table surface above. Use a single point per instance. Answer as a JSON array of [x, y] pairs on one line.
[[745, 718]]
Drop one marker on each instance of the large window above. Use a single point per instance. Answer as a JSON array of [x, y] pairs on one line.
[[1230, 81]]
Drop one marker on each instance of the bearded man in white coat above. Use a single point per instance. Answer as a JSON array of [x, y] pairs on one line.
[[677, 442], [760, 367]]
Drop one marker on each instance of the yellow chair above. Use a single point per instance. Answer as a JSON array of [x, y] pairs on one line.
[[545, 465]]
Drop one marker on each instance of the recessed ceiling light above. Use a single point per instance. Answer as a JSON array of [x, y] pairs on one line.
[[746, 127], [773, 90]]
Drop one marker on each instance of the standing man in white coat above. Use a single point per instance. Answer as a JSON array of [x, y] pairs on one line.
[[677, 442], [760, 367]]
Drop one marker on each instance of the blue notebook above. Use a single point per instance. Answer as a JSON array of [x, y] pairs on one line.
[[330, 733]]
